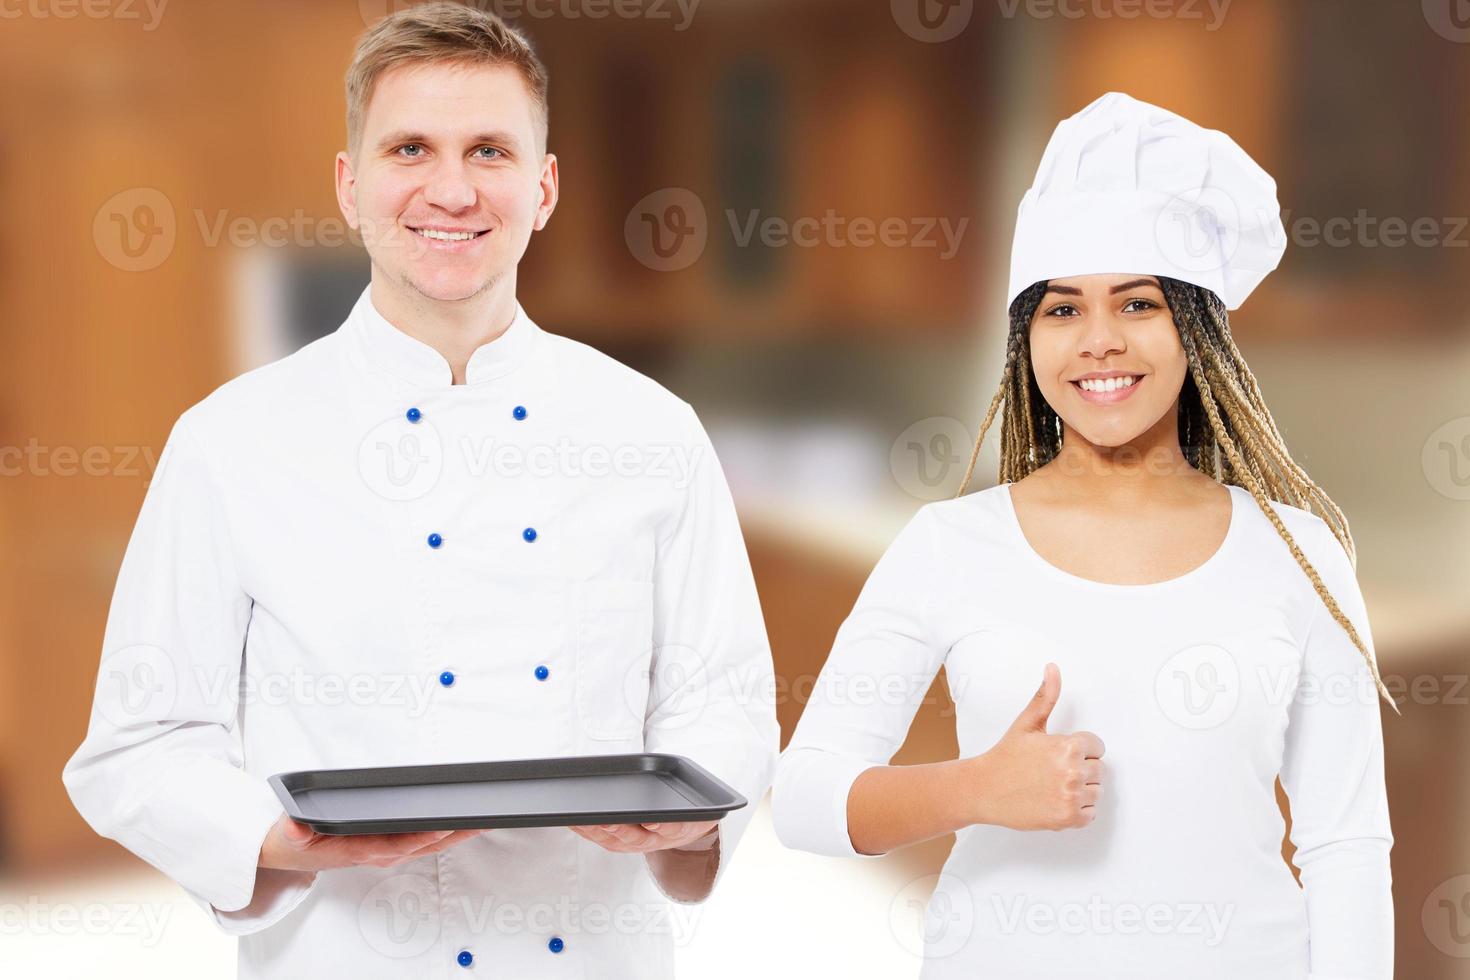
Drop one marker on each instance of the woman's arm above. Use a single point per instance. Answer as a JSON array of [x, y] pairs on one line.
[[882, 662], [1029, 780], [1332, 771], [834, 792]]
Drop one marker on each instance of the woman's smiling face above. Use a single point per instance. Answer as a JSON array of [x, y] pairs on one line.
[[1107, 355]]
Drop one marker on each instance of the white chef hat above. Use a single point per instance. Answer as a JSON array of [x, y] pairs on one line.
[[1125, 186]]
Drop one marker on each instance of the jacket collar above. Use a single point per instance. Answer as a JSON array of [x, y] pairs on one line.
[[415, 362]]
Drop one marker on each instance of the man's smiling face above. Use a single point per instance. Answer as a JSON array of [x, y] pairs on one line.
[[450, 177]]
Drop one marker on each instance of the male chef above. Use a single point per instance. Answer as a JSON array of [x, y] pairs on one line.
[[438, 534]]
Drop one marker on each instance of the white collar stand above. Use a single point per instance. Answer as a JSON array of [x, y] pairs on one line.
[[415, 362]]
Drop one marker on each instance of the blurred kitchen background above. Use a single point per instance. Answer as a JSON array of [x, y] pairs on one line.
[[167, 172]]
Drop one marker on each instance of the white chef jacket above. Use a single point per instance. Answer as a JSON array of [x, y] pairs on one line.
[[343, 560], [1203, 688]]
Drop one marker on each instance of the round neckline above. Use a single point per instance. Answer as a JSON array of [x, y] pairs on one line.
[[1232, 531]]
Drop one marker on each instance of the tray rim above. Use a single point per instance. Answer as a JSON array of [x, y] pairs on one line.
[[285, 784]]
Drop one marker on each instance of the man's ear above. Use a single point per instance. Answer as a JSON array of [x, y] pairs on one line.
[[346, 183], [550, 189]]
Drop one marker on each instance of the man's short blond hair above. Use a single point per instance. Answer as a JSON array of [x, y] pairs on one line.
[[439, 32]]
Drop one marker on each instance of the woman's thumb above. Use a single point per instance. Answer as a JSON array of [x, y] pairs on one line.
[[1034, 716]]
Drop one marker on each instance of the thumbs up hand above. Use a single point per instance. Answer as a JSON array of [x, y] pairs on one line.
[[1040, 781]]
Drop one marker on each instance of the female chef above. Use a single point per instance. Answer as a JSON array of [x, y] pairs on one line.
[[1150, 618]]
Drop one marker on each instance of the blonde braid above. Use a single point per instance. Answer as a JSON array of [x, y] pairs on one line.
[[1010, 468], [1295, 487], [1206, 380]]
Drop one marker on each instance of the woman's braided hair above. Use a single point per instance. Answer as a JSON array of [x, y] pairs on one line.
[[1225, 429]]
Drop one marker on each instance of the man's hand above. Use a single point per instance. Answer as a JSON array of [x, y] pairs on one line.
[[291, 846], [641, 838], [1040, 781]]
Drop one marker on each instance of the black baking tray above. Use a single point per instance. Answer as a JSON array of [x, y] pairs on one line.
[[643, 787]]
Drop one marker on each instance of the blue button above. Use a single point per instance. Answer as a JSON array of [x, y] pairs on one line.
[[465, 957], [556, 945], [414, 414], [542, 673], [519, 412], [435, 540], [529, 534], [447, 678]]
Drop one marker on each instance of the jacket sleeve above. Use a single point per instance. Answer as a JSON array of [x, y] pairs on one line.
[[161, 769], [1332, 771], [882, 663], [712, 686]]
